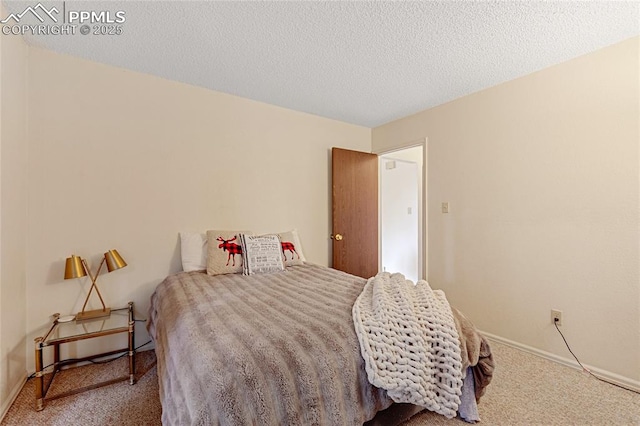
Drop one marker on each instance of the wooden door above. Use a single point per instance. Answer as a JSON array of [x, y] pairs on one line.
[[355, 211]]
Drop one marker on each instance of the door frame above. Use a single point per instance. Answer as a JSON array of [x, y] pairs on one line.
[[423, 230]]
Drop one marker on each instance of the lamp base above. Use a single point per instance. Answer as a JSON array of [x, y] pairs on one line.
[[89, 315]]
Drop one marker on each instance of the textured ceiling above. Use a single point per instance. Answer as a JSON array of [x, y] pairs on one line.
[[366, 63]]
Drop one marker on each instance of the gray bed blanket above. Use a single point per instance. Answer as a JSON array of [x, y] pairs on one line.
[[261, 350], [266, 349]]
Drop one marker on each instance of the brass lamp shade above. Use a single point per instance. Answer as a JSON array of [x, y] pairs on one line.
[[114, 260], [74, 268]]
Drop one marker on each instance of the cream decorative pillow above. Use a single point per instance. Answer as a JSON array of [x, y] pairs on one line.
[[224, 252], [291, 248], [193, 251], [261, 254]]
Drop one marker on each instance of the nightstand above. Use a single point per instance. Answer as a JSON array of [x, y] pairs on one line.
[[119, 321]]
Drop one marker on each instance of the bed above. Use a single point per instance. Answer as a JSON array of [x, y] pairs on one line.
[[275, 348]]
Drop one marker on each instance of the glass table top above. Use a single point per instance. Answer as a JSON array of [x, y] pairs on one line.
[[119, 318]]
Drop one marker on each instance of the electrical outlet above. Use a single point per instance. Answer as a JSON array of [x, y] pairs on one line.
[[556, 316]]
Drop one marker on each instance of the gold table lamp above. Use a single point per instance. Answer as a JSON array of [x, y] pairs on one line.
[[76, 267]]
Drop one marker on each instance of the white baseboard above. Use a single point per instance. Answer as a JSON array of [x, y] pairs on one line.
[[12, 396], [604, 374]]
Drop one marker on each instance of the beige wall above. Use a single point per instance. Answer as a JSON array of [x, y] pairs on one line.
[[13, 209], [542, 177], [124, 160]]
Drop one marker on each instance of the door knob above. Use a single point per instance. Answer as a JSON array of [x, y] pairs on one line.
[[338, 237]]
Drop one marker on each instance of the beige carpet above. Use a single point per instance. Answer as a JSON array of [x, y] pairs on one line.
[[116, 404], [526, 390]]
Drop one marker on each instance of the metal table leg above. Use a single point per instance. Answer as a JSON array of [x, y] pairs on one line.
[[39, 373]]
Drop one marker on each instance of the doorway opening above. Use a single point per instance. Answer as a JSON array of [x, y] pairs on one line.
[[402, 221]]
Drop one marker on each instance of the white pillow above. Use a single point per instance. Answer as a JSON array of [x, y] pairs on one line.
[[193, 249], [261, 254]]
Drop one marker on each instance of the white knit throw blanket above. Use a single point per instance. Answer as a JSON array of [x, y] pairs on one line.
[[409, 342]]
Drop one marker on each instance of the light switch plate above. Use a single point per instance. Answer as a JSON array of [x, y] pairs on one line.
[[445, 207]]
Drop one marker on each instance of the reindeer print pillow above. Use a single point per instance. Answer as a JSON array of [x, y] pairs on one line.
[[224, 252], [291, 248]]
